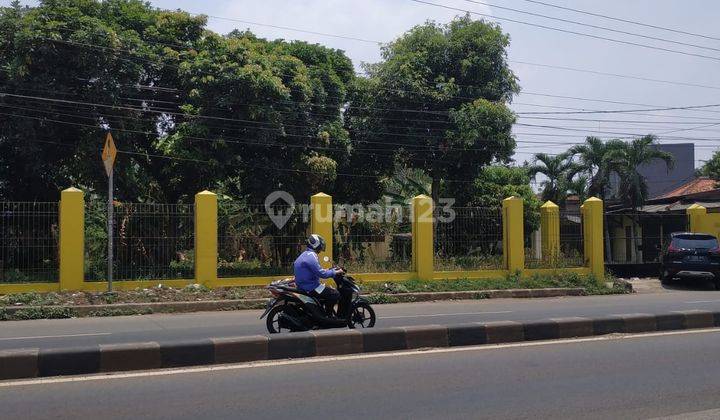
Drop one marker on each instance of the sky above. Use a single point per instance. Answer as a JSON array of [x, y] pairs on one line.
[[384, 20]]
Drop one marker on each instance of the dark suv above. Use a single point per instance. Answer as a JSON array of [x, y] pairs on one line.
[[691, 255]]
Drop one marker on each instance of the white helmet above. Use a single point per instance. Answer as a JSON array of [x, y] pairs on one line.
[[316, 243]]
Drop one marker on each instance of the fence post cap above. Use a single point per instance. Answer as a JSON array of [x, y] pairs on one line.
[[549, 205], [421, 197], [72, 190], [593, 200], [513, 198], [205, 192], [321, 194], [696, 206]]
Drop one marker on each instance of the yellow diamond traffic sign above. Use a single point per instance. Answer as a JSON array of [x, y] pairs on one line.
[[108, 154]]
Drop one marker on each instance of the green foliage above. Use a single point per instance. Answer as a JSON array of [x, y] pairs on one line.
[[561, 279], [558, 171], [243, 104], [711, 168], [42, 312], [439, 98], [626, 158], [496, 183]]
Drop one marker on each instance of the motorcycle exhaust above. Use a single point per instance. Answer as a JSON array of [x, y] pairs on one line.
[[291, 323]]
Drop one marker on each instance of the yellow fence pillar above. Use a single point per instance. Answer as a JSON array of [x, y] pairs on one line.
[[696, 213], [72, 239], [206, 237], [322, 223], [422, 237], [513, 234], [593, 240], [550, 231]]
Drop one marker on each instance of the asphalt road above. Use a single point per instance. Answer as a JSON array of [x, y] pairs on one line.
[[88, 331], [675, 376]]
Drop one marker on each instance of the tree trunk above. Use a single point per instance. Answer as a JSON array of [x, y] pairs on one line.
[[435, 189]]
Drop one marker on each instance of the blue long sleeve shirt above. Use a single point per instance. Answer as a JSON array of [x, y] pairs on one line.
[[308, 271]]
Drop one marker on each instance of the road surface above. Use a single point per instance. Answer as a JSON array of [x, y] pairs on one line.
[[160, 327], [673, 375]]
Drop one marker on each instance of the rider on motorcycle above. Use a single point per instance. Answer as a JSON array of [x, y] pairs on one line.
[[308, 273]]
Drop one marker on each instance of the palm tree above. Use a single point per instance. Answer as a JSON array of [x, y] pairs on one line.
[[579, 186], [559, 170], [625, 160], [594, 164]]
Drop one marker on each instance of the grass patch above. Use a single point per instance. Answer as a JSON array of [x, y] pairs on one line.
[[566, 280], [105, 312]]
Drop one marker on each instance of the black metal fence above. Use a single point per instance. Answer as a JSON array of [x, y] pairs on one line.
[[251, 243], [151, 241], [373, 240], [29, 235], [471, 240]]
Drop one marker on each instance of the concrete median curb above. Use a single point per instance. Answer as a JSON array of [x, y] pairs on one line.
[[104, 358]]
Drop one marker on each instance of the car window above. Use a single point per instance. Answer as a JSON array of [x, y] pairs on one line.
[[695, 242]]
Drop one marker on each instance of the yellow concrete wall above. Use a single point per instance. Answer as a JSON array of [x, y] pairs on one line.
[[703, 222], [206, 237], [72, 247], [322, 224], [422, 240], [72, 239], [513, 234], [550, 231]]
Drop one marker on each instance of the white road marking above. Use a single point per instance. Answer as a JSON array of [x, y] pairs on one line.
[[325, 359], [52, 336], [699, 415], [452, 314], [704, 301]]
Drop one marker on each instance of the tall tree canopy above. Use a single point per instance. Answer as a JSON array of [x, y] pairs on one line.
[[192, 109], [438, 101]]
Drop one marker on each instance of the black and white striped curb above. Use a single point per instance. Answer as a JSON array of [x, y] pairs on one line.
[[31, 363]]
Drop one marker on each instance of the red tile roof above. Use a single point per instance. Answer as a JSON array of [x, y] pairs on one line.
[[695, 186]]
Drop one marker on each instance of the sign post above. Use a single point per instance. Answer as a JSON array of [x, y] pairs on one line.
[[108, 157]]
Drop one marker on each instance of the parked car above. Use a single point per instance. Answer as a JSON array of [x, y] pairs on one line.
[[692, 256]]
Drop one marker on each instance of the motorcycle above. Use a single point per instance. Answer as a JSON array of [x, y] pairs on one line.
[[292, 309]]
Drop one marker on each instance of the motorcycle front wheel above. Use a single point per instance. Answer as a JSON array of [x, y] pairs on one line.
[[363, 316]]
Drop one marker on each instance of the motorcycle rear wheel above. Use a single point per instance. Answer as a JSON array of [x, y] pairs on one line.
[[272, 320], [363, 316]]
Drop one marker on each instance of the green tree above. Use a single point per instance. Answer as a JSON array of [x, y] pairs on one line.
[[625, 159], [437, 102], [711, 168], [189, 109], [558, 171], [496, 183], [593, 163], [579, 186]]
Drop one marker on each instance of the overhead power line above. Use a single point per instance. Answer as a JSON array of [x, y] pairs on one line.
[[604, 28], [623, 76], [287, 28], [634, 22], [567, 31]]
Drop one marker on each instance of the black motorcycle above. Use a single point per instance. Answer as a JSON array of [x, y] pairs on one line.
[[292, 309]]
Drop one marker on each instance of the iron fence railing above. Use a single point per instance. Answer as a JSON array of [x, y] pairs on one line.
[[375, 242], [639, 238], [150, 241], [29, 235], [472, 239], [252, 243]]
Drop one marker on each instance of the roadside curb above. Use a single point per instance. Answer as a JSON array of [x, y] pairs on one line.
[[32, 363], [241, 304]]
